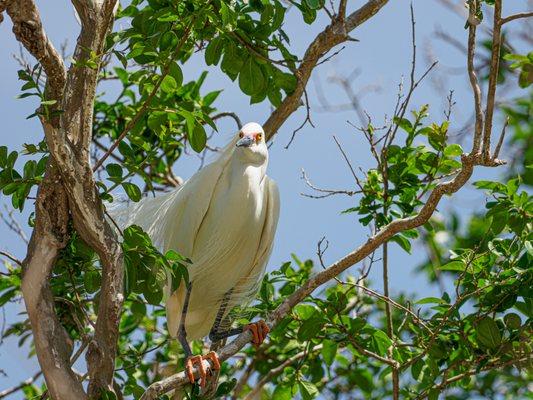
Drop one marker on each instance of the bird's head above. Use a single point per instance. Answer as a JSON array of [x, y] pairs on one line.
[[251, 145]]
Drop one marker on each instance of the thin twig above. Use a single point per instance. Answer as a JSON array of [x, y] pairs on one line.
[[21, 385], [502, 137], [11, 257], [228, 114], [357, 181], [305, 121], [13, 224], [327, 192], [516, 16]]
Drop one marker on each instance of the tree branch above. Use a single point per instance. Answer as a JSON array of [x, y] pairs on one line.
[[80, 92], [493, 77], [52, 343], [516, 16], [29, 31], [478, 128], [334, 34], [69, 143]]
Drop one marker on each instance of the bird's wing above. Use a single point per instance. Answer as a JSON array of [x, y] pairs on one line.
[[189, 209], [169, 220], [250, 283]]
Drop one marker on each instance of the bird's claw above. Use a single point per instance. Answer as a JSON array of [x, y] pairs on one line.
[[259, 331], [198, 360]]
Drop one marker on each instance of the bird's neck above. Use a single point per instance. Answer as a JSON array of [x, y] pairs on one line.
[[250, 172]]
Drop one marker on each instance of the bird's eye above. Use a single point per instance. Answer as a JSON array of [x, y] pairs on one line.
[[258, 137], [241, 134]]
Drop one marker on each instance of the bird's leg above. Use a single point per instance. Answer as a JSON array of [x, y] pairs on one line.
[[182, 334], [190, 359], [259, 329], [216, 334]]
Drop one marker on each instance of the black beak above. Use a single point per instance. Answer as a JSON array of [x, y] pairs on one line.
[[245, 141]]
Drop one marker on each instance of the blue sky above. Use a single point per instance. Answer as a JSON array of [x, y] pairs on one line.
[[383, 56]]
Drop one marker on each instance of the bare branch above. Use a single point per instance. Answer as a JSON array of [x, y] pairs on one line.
[[516, 16], [493, 77], [13, 224], [305, 121], [327, 192], [21, 385], [228, 114], [11, 257], [502, 137], [478, 129]]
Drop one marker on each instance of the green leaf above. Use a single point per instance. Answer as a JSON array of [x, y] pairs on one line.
[[91, 281], [453, 150], [153, 294], [132, 190], [251, 79], [403, 242], [304, 311], [48, 102], [512, 321], [488, 333], [455, 265], [381, 342], [168, 40], [282, 392], [213, 52], [285, 81], [308, 390], [310, 328], [176, 73], [210, 97], [114, 170], [430, 300], [3, 156], [198, 138], [138, 308], [29, 169], [314, 4], [404, 123], [329, 351], [7, 295], [169, 84]]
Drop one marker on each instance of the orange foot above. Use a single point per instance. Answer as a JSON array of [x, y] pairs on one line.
[[198, 360], [259, 331]]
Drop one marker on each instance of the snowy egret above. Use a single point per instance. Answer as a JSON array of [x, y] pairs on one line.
[[224, 219]]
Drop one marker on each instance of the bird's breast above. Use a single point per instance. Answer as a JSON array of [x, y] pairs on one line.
[[228, 240]]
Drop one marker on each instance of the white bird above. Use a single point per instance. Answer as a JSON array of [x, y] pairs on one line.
[[224, 219]]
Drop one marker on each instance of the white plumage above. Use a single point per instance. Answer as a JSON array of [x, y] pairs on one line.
[[224, 219]]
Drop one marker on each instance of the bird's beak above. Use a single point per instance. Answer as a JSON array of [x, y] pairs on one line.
[[245, 141]]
